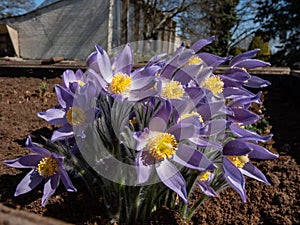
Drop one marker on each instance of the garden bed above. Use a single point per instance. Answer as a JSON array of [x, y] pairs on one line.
[[275, 204]]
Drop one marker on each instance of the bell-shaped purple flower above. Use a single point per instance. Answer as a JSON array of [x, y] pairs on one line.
[[236, 163], [72, 81], [45, 166], [244, 61], [204, 181]]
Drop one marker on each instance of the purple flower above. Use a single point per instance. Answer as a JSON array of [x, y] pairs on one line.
[[204, 180], [236, 163], [245, 62], [74, 113], [159, 145], [45, 166], [116, 77], [72, 81], [239, 108]]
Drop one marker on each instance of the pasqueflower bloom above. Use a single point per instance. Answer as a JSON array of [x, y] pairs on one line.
[[116, 78], [74, 113], [240, 112], [45, 166], [73, 80], [159, 145], [241, 64], [204, 180], [236, 163]]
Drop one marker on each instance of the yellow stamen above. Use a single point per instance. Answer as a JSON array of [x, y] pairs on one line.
[[215, 84], [47, 167], [80, 83], [120, 84], [240, 125], [162, 145], [239, 161], [205, 176], [173, 89], [187, 115], [75, 116], [194, 60]]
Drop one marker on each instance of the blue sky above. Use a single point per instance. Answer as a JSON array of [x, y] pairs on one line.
[[38, 2]]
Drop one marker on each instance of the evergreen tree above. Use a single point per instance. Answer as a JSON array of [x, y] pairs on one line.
[[281, 21], [259, 41], [208, 18]]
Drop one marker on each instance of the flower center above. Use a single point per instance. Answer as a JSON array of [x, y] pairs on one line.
[[205, 176], [162, 145], [80, 83], [239, 161], [75, 116], [187, 115], [215, 84], [47, 167], [194, 60], [120, 84], [173, 89]]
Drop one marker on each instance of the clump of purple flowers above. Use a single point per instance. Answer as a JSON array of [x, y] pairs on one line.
[[147, 137]]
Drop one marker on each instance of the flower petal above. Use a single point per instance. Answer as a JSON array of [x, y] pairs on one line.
[[236, 92], [243, 116], [64, 97], [208, 110], [68, 77], [205, 143], [234, 177], [256, 82], [213, 60], [62, 133], [237, 74], [144, 167], [53, 116], [124, 61], [202, 43], [29, 182], [172, 178], [247, 135], [183, 131], [104, 64], [50, 187], [186, 74], [35, 148], [207, 189], [259, 152], [214, 127], [66, 180], [251, 63], [193, 159], [135, 96], [160, 120], [246, 55], [142, 83], [245, 102], [251, 171], [236, 148], [27, 161]]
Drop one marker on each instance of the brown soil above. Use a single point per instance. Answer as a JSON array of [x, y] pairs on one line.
[[274, 204]]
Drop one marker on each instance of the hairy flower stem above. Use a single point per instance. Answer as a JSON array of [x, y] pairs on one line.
[[134, 212]]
